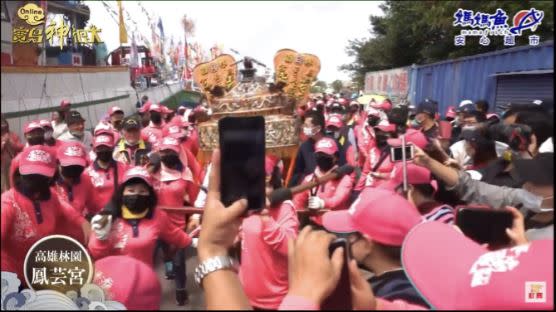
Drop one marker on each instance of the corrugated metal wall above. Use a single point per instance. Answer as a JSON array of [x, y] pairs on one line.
[[472, 78]]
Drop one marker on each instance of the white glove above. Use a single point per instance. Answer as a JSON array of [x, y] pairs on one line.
[[194, 242], [315, 203], [101, 232]]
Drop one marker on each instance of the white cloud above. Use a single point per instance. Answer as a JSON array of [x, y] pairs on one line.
[[256, 29]]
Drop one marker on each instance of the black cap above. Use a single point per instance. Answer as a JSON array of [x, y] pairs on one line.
[[539, 170], [131, 123], [74, 117], [427, 106]]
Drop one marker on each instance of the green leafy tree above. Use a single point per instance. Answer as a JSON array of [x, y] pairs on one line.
[[337, 85], [421, 32], [319, 87]]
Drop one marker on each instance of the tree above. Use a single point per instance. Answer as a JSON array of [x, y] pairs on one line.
[[337, 86], [319, 87], [421, 32]]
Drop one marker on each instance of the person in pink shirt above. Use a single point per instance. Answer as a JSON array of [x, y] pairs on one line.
[[49, 140], [153, 132], [264, 247], [334, 194], [365, 136], [421, 191], [104, 173], [31, 211], [378, 158], [71, 185], [131, 224], [181, 130], [34, 135], [175, 188]]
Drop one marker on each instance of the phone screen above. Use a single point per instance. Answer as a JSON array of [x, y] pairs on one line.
[[242, 148], [396, 153], [340, 299], [485, 225]]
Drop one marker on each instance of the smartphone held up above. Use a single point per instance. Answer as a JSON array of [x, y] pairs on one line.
[[242, 150], [340, 299]]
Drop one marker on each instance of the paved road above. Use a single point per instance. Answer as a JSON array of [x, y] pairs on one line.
[[196, 298]]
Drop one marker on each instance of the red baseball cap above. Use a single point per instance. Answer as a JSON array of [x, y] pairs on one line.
[[170, 143], [452, 272], [104, 140], [451, 112], [335, 120], [37, 159], [65, 104], [166, 110], [72, 153], [103, 128], [115, 109], [386, 126], [138, 172], [412, 136], [385, 105], [45, 123], [155, 108], [383, 215], [145, 107], [174, 131], [32, 125], [327, 146], [415, 175], [129, 281]]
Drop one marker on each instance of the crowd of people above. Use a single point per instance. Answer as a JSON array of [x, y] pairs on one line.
[[109, 189]]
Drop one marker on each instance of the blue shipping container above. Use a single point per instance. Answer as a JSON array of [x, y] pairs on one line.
[[474, 77]]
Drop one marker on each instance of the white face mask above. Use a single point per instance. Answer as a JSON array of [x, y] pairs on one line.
[[336, 135], [308, 131]]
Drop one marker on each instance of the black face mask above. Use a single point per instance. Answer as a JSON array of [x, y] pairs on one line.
[[32, 184], [156, 118], [171, 160], [324, 163], [136, 203], [373, 120], [104, 156], [36, 140], [72, 172]]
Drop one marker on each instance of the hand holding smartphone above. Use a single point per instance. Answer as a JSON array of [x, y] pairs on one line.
[[340, 299], [242, 148], [396, 153]]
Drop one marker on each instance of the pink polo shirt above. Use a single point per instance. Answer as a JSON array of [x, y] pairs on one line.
[[102, 181], [123, 241], [264, 255], [153, 134], [20, 227], [80, 199]]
